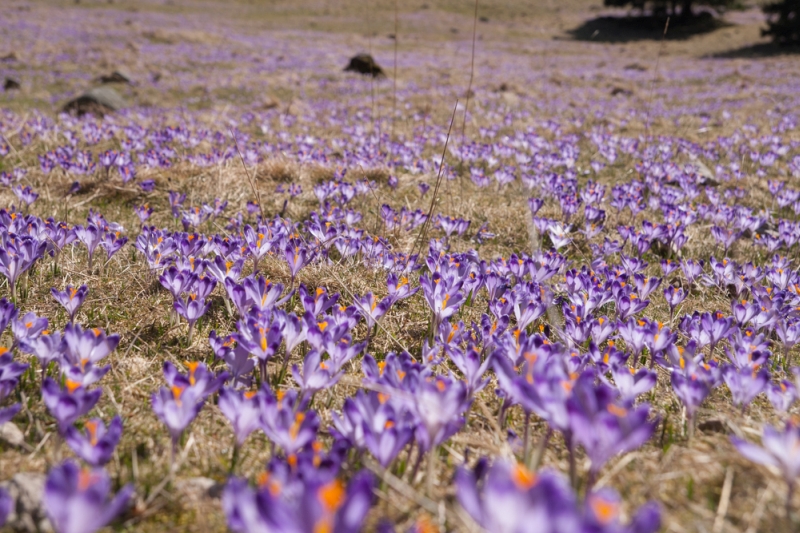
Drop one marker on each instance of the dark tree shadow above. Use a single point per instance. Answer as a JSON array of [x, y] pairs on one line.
[[639, 28], [755, 51]]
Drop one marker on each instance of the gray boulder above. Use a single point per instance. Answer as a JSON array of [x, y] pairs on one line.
[[11, 85], [118, 76], [98, 101]]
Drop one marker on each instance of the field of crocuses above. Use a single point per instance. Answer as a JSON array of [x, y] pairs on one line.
[[556, 293]]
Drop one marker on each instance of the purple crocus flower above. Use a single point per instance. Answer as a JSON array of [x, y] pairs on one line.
[[294, 329], [70, 403], [8, 312], [45, 347], [372, 308], [143, 212], [296, 257], [243, 411], [631, 383], [191, 309], [470, 365], [177, 406], [260, 340], [316, 376], [439, 406], [17, 257], [28, 327], [226, 271], [84, 374], [691, 269], [692, 389], [602, 427], [781, 395], [399, 288], [745, 384], [77, 501], [198, 377], [97, 444], [87, 346], [25, 194], [71, 298], [284, 423], [264, 294], [780, 449], [10, 371], [508, 498], [310, 503], [442, 297], [91, 236], [177, 281], [375, 421], [176, 202], [629, 305], [317, 303], [602, 513], [7, 413], [674, 296], [240, 364], [258, 243], [113, 243], [6, 505]]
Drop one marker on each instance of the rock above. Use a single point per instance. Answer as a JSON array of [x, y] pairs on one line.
[[9, 57], [98, 101], [635, 66], [713, 426], [27, 512], [11, 85], [364, 64], [198, 488], [11, 434], [706, 175], [510, 99], [269, 103], [118, 76], [621, 90]]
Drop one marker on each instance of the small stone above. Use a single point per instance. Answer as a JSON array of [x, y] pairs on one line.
[[713, 426], [635, 66], [11, 434], [198, 487], [364, 64], [27, 513], [118, 76], [11, 85], [270, 103], [510, 99]]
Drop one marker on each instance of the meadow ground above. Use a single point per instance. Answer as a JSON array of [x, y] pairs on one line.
[[556, 90]]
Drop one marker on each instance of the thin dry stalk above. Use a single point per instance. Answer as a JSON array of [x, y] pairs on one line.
[[471, 71], [724, 500], [423, 233], [653, 81], [394, 74], [249, 177]]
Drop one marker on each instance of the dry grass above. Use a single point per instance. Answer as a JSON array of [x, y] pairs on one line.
[[687, 477]]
